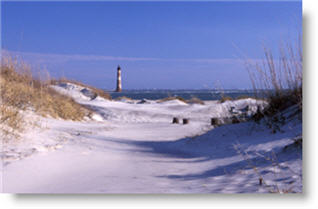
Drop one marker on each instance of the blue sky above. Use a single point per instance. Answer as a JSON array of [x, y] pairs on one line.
[[166, 45]]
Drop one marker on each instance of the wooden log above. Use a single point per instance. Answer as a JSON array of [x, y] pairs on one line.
[[185, 120], [215, 122], [175, 120], [260, 181], [235, 120]]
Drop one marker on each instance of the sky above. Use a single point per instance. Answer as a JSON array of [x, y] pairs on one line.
[[159, 45]]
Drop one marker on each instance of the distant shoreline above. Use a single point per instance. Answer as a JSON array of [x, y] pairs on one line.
[[205, 95]]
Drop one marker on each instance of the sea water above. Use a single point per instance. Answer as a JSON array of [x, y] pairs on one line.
[[186, 94]]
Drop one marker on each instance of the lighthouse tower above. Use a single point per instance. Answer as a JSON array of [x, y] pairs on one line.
[[118, 87]]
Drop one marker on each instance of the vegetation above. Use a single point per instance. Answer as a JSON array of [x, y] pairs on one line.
[[228, 98], [281, 78], [195, 100], [225, 98], [20, 90], [245, 97], [173, 98]]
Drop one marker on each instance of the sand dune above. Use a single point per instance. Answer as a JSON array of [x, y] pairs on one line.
[[128, 147]]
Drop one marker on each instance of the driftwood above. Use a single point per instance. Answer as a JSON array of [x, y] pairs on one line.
[[215, 122], [235, 120], [185, 120], [175, 120]]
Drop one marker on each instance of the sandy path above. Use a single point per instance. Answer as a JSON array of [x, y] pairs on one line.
[[136, 149], [113, 164]]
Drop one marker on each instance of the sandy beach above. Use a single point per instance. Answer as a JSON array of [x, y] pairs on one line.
[[132, 146]]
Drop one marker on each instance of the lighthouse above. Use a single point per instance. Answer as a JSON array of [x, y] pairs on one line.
[[118, 87]]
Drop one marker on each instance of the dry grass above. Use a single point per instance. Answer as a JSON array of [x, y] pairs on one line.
[[245, 97], [275, 164], [225, 98], [95, 90], [281, 78], [228, 98], [11, 121], [195, 100], [173, 98], [20, 90]]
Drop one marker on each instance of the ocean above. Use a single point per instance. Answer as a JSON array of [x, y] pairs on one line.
[[186, 94]]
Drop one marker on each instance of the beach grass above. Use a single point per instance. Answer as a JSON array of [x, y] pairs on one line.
[[172, 98], [21, 90], [281, 78]]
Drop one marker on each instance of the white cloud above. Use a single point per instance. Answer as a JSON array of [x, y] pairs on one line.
[[58, 58], [46, 58]]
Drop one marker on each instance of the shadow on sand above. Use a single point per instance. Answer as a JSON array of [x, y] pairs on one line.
[[211, 146]]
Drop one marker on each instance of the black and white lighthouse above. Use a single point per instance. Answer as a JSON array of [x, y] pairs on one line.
[[118, 87]]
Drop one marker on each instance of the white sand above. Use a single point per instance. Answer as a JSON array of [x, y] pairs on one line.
[[134, 148]]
